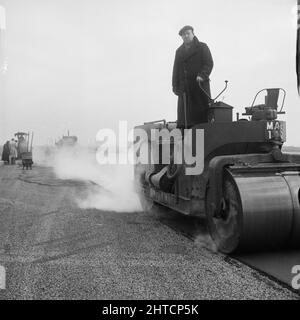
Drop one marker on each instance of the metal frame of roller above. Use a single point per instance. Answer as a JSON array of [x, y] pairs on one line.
[[249, 190]]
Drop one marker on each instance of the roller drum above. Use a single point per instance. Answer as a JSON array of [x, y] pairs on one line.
[[259, 211], [293, 181]]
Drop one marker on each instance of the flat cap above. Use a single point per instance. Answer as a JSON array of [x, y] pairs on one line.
[[185, 28]]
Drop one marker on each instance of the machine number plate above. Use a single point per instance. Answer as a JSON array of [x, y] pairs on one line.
[[275, 130]]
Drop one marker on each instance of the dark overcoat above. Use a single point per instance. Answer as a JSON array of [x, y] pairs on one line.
[[298, 56], [188, 64], [5, 152]]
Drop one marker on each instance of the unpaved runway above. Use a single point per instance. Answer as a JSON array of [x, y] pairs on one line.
[[51, 249]]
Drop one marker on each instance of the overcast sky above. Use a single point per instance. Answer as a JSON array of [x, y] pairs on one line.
[[84, 65]]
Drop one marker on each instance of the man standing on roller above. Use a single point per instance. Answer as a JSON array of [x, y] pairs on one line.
[[192, 66]]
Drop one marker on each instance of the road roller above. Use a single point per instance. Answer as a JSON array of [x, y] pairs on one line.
[[248, 189], [67, 141]]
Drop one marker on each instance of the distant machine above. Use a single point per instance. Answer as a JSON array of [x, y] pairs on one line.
[[24, 148], [67, 141]]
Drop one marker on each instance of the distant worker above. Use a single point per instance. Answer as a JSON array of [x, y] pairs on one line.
[[22, 145], [5, 152], [12, 151], [192, 67]]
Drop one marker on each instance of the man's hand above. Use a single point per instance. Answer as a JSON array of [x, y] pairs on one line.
[[199, 79]]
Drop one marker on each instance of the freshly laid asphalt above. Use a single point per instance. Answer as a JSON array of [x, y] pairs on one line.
[[52, 249]]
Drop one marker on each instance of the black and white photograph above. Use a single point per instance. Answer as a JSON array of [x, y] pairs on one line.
[[150, 151]]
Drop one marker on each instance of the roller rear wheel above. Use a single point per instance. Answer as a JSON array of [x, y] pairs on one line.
[[225, 228]]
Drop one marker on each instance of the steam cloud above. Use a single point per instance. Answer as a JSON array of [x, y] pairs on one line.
[[112, 188]]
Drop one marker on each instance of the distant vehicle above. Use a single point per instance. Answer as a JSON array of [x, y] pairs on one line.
[[24, 148], [66, 141]]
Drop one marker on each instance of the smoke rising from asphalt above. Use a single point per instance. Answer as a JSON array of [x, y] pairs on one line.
[[111, 186], [205, 241]]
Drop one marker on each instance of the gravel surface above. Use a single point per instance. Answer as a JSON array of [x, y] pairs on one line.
[[52, 249]]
